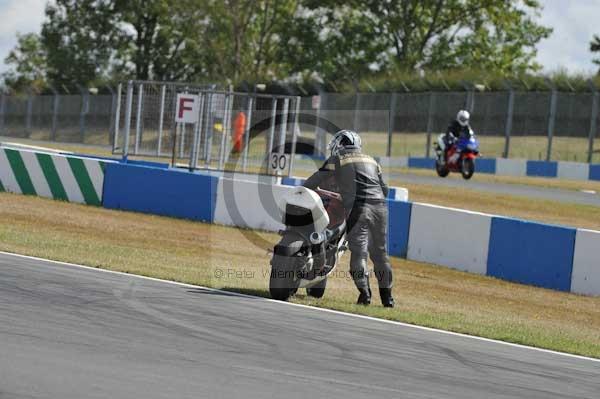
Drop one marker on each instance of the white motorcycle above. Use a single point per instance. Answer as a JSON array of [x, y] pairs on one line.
[[311, 244]]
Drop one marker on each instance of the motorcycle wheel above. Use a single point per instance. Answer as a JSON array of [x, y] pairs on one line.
[[441, 169], [318, 290], [282, 283], [468, 168]]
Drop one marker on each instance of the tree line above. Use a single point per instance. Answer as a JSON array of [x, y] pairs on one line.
[[97, 42]]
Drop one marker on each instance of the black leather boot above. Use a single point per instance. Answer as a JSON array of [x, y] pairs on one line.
[[365, 297], [386, 297]]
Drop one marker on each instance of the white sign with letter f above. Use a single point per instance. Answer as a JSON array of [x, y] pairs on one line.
[[187, 108]]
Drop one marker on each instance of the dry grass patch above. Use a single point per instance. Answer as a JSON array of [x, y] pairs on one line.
[[237, 260]]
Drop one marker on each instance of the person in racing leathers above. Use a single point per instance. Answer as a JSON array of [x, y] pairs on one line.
[[457, 128], [364, 194]]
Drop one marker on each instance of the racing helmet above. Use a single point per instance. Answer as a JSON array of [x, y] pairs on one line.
[[342, 139], [463, 117]]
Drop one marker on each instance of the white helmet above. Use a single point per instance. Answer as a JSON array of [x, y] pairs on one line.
[[463, 117], [344, 138]]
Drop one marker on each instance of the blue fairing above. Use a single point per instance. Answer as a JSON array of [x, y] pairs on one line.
[[468, 143]]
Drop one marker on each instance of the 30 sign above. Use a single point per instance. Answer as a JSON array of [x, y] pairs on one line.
[[278, 163]]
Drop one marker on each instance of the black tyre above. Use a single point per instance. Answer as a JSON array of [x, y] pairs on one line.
[[468, 168], [441, 169], [282, 283], [318, 290], [284, 279]]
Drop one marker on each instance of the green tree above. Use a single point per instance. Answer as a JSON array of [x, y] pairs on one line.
[[410, 34], [79, 37], [27, 64], [595, 48]]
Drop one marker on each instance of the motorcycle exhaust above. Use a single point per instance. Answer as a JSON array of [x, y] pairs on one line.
[[318, 250]]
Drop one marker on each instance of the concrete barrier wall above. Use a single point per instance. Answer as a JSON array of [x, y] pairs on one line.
[[516, 167], [547, 256], [160, 191], [586, 263], [531, 253], [573, 171], [52, 175], [250, 204], [511, 167], [449, 237]]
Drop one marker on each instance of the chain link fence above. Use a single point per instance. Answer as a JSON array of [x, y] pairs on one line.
[[547, 125]]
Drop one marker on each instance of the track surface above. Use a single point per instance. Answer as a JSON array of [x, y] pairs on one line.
[[69, 332], [552, 194]]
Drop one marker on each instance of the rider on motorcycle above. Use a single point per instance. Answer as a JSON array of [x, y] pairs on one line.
[[364, 194], [457, 128]]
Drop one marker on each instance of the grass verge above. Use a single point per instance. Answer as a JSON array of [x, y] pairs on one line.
[[203, 254]]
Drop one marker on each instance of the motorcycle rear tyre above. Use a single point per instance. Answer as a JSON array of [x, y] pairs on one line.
[[441, 169]]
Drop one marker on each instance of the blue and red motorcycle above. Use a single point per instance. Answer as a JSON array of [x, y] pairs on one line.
[[459, 157]]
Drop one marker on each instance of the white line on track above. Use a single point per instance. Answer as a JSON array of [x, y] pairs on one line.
[[397, 323]]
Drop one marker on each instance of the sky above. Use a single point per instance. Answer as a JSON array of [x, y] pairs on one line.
[[574, 23]]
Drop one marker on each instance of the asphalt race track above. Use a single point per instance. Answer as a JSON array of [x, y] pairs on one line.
[[521, 190], [71, 332]]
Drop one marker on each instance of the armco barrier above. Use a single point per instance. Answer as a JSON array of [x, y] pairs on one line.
[[449, 237], [160, 191], [531, 253], [586, 263], [51, 175]]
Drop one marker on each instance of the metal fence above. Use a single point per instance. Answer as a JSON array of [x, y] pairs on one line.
[[233, 131], [550, 125], [74, 118]]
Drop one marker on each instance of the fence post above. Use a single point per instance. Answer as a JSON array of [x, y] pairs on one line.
[[85, 103], [208, 134], [430, 116], [551, 118], [138, 119], [318, 150], [247, 132], [128, 106], [116, 115], [29, 111], [593, 121], [357, 105], [161, 115], [295, 128], [196, 140], [391, 123], [283, 126], [111, 116], [2, 110], [509, 119], [272, 129], [226, 123]]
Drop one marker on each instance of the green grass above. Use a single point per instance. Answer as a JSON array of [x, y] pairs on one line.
[[237, 260]]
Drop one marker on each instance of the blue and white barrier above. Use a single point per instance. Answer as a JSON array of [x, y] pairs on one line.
[[554, 257], [450, 237], [585, 277], [508, 167]]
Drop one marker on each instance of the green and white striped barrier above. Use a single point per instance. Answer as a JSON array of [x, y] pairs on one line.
[[61, 177]]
